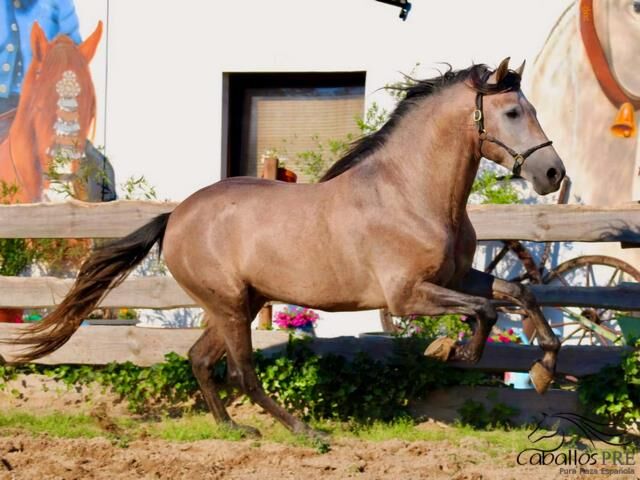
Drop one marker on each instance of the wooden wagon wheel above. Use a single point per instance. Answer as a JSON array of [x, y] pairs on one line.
[[588, 326]]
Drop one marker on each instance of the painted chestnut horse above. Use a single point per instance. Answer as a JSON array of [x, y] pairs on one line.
[[56, 110], [385, 228]]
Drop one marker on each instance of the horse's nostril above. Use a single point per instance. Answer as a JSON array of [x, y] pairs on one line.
[[552, 173]]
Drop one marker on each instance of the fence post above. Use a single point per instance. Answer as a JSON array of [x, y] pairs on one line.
[[270, 172]]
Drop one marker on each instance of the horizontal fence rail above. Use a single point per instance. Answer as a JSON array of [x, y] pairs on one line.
[[580, 223], [164, 293], [99, 345]]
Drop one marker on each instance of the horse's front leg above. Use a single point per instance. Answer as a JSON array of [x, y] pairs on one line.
[[488, 286], [426, 298]]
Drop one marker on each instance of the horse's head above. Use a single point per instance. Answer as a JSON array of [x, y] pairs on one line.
[[509, 132], [58, 93]]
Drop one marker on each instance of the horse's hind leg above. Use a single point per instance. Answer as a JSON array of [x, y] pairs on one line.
[[204, 354], [237, 337]]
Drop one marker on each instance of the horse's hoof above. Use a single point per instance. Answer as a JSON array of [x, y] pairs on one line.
[[541, 377], [440, 349]]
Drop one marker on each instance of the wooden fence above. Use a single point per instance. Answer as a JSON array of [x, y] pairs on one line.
[[110, 220]]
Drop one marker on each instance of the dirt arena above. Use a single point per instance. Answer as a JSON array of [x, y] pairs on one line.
[[30, 456]]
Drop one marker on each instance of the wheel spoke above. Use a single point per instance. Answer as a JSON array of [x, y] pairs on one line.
[[571, 334], [608, 329], [588, 278], [556, 325], [603, 341], [589, 324], [613, 277], [563, 280], [593, 275], [584, 332]]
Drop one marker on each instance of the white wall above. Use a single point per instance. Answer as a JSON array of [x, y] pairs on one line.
[[166, 62]]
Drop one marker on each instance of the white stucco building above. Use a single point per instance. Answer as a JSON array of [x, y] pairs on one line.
[[163, 70]]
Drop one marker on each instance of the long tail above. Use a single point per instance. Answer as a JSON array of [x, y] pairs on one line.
[[107, 267]]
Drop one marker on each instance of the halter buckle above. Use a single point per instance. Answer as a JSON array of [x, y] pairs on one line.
[[517, 165], [477, 115]]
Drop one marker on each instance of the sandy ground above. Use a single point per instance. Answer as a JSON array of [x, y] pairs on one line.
[[23, 456], [26, 457]]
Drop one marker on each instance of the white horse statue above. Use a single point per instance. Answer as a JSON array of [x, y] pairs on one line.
[[577, 104]]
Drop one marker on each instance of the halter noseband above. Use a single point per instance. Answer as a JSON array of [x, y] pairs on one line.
[[519, 158]]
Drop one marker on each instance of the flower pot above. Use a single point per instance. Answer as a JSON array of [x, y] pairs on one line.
[[11, 315], [303, 332], [519, 380]]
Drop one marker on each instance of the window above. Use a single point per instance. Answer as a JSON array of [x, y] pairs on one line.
[[288, 113]]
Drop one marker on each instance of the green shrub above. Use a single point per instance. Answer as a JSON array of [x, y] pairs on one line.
[[614, 392], [315, 386]]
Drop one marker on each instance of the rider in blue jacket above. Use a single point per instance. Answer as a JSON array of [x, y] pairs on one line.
[[16, 19]]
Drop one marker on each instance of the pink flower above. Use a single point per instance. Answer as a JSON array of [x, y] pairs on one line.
[[295, 317]]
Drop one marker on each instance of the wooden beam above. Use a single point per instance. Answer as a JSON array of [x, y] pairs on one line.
[[270, 172], [75, 219], [444, 405], [579, 223], [142, 292], [553, 223], [578, 361], [623, 297], [164, 292], [99, 345]]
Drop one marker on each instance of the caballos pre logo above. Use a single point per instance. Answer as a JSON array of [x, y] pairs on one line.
[[619, 460]]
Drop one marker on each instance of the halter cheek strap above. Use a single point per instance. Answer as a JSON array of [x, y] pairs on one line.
[[518, 158]]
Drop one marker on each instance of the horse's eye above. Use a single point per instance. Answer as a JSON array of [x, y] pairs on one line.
[[513, 113], [636, 6]]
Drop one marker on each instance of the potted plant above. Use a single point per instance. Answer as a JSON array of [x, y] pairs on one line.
[[299, 321], [519, 380]]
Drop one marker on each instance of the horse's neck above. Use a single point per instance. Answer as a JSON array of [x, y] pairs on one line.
[[431, 156], [23, 153]]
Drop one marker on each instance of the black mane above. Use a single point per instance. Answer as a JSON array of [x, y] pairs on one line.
[[415, 90]]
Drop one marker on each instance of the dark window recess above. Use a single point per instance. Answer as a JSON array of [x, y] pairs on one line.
[[289, 113]]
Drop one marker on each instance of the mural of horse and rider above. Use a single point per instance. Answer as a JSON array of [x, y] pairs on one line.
[[48, 105]]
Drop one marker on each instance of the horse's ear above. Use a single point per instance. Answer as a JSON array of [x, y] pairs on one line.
[[39, 42], [502, 70], [89, 46], [520, 69]]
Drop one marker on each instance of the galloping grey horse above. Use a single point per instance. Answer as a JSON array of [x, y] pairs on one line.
[[385, 228]]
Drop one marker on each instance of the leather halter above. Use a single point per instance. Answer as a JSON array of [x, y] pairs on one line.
[[519, 158]]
